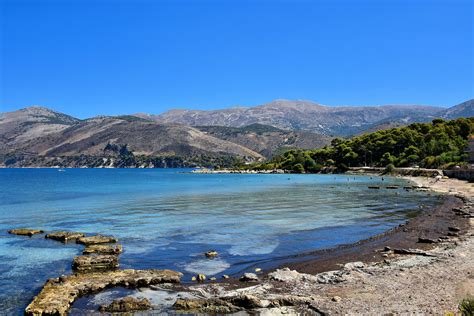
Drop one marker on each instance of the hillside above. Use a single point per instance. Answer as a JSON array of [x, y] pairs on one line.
[[431, 145], [41, 137], [266, 139]]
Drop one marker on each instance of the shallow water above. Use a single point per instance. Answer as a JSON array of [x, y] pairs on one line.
[[167, 218]]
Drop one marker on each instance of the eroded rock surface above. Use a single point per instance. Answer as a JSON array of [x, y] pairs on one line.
[[95, 263], [25, 231], [64, 236], [97, 239], [103, 249], [126, 304], [58, 294]]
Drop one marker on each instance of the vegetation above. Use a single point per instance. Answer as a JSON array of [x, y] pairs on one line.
[[430, 145], [466, 307]]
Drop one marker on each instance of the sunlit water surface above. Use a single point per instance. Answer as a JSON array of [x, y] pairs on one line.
[[168, 218]]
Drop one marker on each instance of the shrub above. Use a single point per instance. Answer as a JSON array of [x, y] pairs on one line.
[[466, 307]]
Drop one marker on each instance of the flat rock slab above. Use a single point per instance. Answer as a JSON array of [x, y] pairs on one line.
[[95, 263], [97, 239], [25, 231], [126, 304], [103, 249], [64, 236], [58, 294]]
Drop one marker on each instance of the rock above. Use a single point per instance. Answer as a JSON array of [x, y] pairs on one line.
[[452, 234], [249, 277], [426, 240], [201, 277], [213, 279], [103, 249], [210, 306], [247, 301], [387, 248], [25, 231], [211, 254], [58, 295], [97, 239], [354, 265], [392, 187], [258, 270], [454, 229], [225, 276], [64, 236], [412, 252], [336, 299], [126, 304], [95, 263], [373, 187], [287, 275], [193, 279]]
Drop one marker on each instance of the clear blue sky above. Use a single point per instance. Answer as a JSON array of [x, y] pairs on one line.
[[112, 57]]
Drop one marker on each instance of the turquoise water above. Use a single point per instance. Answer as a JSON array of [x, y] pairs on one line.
[[167, 218]]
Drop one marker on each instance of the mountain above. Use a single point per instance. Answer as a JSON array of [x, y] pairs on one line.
[[266, 139], [38, 136], [298, 116], [465, 109]]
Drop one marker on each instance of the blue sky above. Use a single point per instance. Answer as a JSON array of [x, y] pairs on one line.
[[113, 57]]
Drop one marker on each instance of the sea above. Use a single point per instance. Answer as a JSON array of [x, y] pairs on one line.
[[168, 219]]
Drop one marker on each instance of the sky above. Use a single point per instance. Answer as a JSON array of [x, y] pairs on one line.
[[90, 57]]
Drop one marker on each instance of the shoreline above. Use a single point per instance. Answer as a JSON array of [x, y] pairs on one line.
[[357, 278], [319, 281]]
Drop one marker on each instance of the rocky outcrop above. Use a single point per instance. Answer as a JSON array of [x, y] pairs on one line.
[[95, 263], [97, 239], [64, 236], [103, 249], [25, 231], [58, 294], [126, 305]]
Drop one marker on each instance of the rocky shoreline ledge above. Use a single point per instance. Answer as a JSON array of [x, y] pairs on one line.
[[425, 266]]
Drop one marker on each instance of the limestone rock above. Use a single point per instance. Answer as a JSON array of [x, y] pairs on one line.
[[287, 275], [95, 263], [210, 305], [25, 231], [103, 249], [97, 239], [249, 277], [64, 236], [58, 294], [126, 304]]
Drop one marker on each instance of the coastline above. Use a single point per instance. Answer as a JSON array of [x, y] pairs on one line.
[[392, 272], [356, 278]]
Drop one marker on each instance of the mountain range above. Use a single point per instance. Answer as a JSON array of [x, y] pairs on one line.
[[38, 136]]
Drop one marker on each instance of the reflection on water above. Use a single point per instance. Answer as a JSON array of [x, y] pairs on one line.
[[168, 219]]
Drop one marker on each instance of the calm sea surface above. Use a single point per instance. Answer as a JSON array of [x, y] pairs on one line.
[[168, 218]]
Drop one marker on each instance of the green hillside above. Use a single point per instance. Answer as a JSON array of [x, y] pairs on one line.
[[430, 145]]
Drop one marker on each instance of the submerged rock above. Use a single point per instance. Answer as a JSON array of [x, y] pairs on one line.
[[211, 254], [95, 263], [103, 249], [25, 231], [249, 277], [64, 236], [58, 294], [126, 304], [97, 239]]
